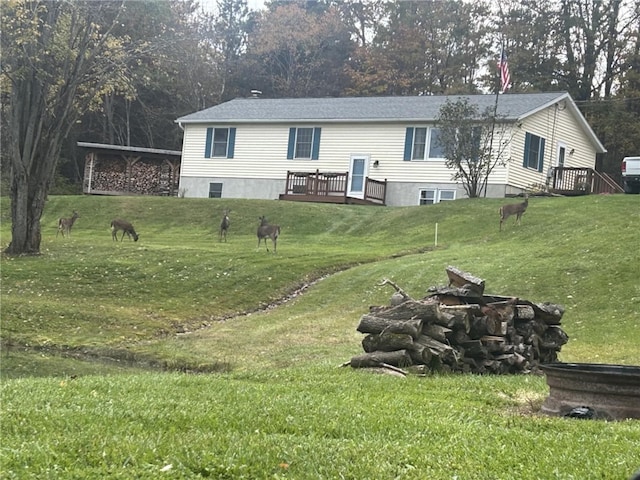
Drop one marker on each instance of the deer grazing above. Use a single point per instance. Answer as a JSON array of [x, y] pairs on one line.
[[268, 231], [224, 225], [126, 227], [65, 224], [516, 209]]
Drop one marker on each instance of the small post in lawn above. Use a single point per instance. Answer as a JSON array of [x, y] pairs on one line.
[[436, 239]]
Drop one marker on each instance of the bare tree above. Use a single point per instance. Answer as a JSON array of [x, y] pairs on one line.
[[300, 52], [596, 33], [473, 143]]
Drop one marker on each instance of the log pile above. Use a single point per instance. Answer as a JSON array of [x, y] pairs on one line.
[[458, 328], [144, 177]]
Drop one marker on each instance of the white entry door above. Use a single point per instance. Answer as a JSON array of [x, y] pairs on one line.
[[357, 175]]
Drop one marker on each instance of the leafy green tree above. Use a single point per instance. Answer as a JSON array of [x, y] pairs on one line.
[[59, 59], [473, 142]]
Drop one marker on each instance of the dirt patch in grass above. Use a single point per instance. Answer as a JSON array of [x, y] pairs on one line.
[[525, 402]]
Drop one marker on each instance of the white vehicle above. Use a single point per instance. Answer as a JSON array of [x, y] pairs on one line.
[[631, 174]]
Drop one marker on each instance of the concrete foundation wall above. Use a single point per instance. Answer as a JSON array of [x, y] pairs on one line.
[[399, 194], [198, 187]]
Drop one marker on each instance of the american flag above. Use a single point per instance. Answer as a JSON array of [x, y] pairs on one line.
[[505, 77]]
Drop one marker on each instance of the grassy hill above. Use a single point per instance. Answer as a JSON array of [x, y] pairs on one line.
[[128, 300], [274, 327]]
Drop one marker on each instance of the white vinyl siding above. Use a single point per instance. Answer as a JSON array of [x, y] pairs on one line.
[[261, 152], [564, 130]]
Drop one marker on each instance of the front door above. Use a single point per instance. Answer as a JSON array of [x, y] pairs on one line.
[[357, 175]]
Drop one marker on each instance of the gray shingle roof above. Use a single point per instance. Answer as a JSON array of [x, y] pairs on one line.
[[356, 109]]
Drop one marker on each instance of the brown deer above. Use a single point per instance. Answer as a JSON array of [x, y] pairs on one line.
[[126, 227], [268, 231], [516, 209], [224, 225], [65, 224]]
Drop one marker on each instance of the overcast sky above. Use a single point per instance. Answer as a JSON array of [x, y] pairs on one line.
[[210, 5]]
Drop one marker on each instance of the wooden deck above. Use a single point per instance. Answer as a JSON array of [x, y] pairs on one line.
[[331, 187], [572, 181]]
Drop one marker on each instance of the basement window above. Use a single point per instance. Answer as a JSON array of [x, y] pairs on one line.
[[215, 190], [429, 196]]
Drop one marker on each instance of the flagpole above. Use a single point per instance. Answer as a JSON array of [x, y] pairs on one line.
[[498, 84]]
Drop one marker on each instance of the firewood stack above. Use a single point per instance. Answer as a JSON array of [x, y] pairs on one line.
[[460, 329]]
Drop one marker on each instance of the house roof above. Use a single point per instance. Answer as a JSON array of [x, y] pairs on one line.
[[419, 108], [512, 107]]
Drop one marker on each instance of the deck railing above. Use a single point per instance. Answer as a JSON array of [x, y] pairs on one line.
[[581, 181], [316, 183], [375, 191], [331, 187]]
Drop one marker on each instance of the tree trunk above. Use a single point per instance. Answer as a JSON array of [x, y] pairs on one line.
[[375, 324], [25, 219], [31, 170], [399, 358], [43, 99], [33, 162], [458, 278], [387, 342]]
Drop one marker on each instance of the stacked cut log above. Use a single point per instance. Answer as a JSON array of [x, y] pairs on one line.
[[146, 177], [461, 329]]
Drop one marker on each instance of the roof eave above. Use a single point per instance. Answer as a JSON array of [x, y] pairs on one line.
[[577, 115], [122, 148], [317, 120]]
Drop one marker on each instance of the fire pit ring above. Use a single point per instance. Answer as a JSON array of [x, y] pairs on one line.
[[610, 392]]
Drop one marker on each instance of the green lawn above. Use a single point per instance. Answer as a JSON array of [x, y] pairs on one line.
[[92, 329]]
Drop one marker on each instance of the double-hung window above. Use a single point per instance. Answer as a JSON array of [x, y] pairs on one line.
[[304, 143], [429, 196], [220, 142], [422, 143], [533, 152]]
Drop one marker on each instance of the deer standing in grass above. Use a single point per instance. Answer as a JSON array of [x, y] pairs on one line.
[[126, 227], [268, 231], [224, 225], [516, 209], [65, 224]]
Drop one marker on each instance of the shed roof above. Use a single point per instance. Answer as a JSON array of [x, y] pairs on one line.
[[105, 147]]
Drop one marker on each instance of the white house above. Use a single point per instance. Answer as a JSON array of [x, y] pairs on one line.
[[277, 148]]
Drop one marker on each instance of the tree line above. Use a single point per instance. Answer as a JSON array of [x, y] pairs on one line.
[[121, 72]]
